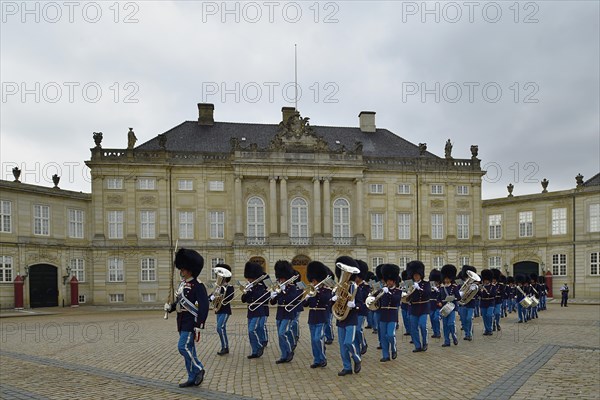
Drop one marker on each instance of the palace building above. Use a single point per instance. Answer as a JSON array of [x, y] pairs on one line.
[[263, 192]]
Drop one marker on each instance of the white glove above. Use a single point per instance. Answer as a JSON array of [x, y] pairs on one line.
[[212, 297], [461, 293], [311, 294], [167, 307], [473, 286], [334, 298], [416, 286], [351, 304], [385, 289], [283, 288], [273, 295]]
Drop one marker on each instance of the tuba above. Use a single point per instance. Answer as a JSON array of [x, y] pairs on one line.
[[468, 293], [345, 291], [222, 274]]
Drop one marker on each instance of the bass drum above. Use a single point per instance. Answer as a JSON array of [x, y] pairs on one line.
[[447, 309]]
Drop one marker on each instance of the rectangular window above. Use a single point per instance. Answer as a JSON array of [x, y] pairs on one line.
[[148, 270], [148, 297], [115, 224], [117, 297], [213, 263], [559, 221], [402, 261], [217, 224], [464, 260], [78, 269], [404, 226], [559, 264], [41, 220], [594, 257], [216, 186], [5, 216], [404, 188], [81, 298], [185, 184], [146, 183], [494, 262], [376, 188], [462, 190], [186, 225], [147, 224], [437, 226], [462, 226], [375, 261], [594, 217], [526, 224], [437, 262], [495, 226], [114, 183], [376, 226], [75, 224], [6, 269], [437, 189], [115, 270]]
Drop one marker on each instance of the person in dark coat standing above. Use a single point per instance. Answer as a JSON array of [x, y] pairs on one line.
[[317, 303]]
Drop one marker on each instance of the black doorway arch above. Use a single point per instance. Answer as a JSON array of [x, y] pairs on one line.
[[526, 268], [43, 285]]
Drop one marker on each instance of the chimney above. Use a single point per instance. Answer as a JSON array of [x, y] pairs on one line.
[[367, 121], [205, 114], [287, 112]]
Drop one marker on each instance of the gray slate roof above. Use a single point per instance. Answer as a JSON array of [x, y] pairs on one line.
[[193, 137], [593, 181]]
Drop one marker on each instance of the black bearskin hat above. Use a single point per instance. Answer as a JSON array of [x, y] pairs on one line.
[[370, 276], [415, 267], [364, 269], [330, 272], [541, 279], [510, 279], [496, 274], [316, 270], [190, 260], [533, 277], [253, 270], [520, 278], [378, 272], [486, 275], [466, 268], [390, 272], [283, 269], [435, 275], [502, 279], [404, 275], [449, 271], [346, 260]]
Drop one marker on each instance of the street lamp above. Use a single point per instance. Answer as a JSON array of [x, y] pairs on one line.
[[26, 273], [506, 269], [543, 265]]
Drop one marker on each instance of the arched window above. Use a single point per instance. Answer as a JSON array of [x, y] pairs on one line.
[[255, 218], [299, 218], [341, 218]]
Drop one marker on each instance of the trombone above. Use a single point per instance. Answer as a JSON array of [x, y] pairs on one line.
[[243, 289], [276, 288], [310, 290]]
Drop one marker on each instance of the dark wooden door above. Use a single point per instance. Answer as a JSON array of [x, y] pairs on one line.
[[43, 285], [526, 268]]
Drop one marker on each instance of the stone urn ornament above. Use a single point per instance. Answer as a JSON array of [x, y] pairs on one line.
[[97, 139], [16, 173], [55, 179], [545, 183], [510, 188]]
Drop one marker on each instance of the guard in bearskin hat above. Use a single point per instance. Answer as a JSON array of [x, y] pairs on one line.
[[543, 292], [499, 289], [449, 294], [469, 310], [227, 292], [435, 280], [328, 330], [521, 284], [191, 305], [389, 302], [253, 291], [418, 298], [362, 292], [535, 291], [511, 293], [488, 299], [282, 296], [404, 308], [317, 302]]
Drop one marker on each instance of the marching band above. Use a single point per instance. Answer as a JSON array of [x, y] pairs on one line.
[[359, 296]]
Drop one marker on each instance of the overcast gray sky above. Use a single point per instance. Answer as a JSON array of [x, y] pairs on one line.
[[521, 80]]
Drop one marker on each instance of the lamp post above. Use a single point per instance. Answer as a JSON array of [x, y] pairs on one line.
[[506, 269], [26, 273], [543, 265]]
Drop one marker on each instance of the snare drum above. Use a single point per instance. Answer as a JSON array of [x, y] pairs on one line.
[[447, 309]]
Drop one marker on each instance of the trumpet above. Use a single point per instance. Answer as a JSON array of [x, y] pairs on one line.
[[311, 290], [276, 288], [243, 289]]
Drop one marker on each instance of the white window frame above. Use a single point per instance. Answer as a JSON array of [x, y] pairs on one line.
[[299, 218], [147, 224], [78, 269], [342, 228], [462, 190], [185, 184], [404, 188], [6, 269], [114, 183], [376, 188], [559, 264], [437, 262], [404, 223], [76, 219], [116, 269], [495, 226], [186, 224], [5, 216], [559, 221], [216, 224], [375, 261], [594, 263], [437, 189], [146, 183], [377, 226], [402, 261], [255, 217], [148, 297], [594, 217], [437, 226], [462, 226], [41, 220], [116, 223], [148, 269], [216, 186], [116, 298], [525, 224], [81, 298], [493, 262]]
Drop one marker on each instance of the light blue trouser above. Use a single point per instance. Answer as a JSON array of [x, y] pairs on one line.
[[284, 332], [222, 329], [497, 313], [254, 332], [468, 321], [449, 326], [348, 352], [359, 340], [487, 313], [328, 330], [522, 312], [418, 330], [434, 317], [263, 335], [187, 349], [317, 343], [388, 338], [406, 320]]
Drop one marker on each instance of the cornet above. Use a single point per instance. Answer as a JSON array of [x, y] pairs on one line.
[[243, 289], [276, 288], [311, 290]]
